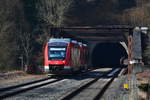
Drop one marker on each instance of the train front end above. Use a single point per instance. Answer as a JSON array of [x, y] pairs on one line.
[[55, 56]]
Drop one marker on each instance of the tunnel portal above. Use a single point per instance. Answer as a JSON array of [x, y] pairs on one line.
[[108, 55]]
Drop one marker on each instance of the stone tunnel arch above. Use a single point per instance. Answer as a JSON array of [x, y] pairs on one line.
[[108, 54]]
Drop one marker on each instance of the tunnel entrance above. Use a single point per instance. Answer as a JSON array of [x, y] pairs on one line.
[[108, 55]]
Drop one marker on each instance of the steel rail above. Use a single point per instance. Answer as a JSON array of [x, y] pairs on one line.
[[100, 94], [23, 84], [19, 89], [74, 93]]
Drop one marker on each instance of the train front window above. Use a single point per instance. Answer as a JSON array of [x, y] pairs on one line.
[[57, 53]]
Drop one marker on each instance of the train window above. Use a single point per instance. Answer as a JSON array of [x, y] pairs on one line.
[[57, 53]]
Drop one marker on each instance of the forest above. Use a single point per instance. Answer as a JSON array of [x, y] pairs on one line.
[[25, 24]]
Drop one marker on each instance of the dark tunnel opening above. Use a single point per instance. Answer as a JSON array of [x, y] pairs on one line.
[[108, 55]]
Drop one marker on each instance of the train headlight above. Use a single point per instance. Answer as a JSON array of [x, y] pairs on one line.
[[63, 61]]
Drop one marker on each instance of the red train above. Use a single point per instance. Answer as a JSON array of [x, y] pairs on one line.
[[63, 55]]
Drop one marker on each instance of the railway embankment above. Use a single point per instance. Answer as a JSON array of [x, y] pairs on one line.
[[17, 77], [140, 85], [144, 84]]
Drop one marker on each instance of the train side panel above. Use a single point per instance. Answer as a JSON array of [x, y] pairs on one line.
[[46, 64]]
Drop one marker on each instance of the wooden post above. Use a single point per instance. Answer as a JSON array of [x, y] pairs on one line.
[[129, 54]]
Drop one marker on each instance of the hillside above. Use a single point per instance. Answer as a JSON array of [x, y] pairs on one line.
[[25, 24]]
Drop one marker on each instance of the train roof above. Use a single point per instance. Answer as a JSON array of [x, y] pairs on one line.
[[80, 43], [66, 40], [85, 45], [74, 41]]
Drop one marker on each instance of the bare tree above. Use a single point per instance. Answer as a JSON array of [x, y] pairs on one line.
[[26, 46], [52, 11], [136, 16]]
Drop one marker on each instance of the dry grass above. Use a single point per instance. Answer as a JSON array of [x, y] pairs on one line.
[[17, 77], [144, 85]]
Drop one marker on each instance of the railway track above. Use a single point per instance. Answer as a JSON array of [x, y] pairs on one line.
[[99, 83], [20, 88], [16, 89], [93, 89]]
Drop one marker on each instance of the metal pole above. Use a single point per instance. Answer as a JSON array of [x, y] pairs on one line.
[[136, 63]]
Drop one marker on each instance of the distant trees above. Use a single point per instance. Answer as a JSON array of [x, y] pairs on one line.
[[137, 16], [26, 47], [8, 34], [49, 13], [13, 25], [53, 11]]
